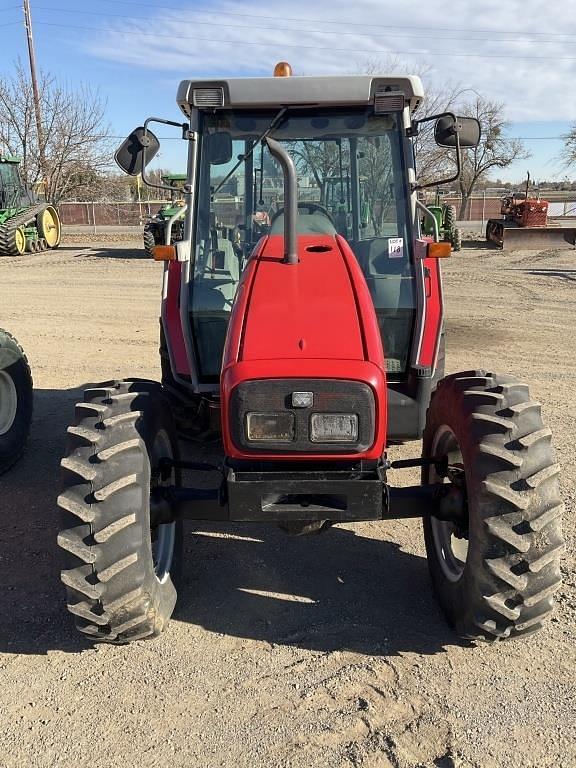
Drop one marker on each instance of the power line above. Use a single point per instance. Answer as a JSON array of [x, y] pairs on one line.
[[276, 46], [306, 20], [310, 31], [11, 23]]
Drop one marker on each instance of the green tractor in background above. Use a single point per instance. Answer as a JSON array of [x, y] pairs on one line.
[[445, 216], [155, 227], [25, 223]]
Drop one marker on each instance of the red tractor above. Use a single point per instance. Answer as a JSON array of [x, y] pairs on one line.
[[309, 348]]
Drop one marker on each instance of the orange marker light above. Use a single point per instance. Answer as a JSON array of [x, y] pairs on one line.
[[282, 69], [164, 253], [438, 250]]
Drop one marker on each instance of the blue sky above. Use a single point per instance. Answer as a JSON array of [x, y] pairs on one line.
[[520, 52]]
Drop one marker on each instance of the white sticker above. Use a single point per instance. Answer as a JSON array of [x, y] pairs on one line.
[[395, 247]]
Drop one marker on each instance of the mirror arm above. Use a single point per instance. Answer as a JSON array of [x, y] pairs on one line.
[[185, 132], [413, 129], [416, 187]]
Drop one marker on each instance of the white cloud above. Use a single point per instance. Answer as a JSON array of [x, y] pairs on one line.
[[193, 44]]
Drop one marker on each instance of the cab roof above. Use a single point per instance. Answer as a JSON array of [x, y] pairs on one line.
[[391, 92]]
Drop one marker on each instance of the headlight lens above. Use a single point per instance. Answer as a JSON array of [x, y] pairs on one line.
[[277, 427], [334, 427]]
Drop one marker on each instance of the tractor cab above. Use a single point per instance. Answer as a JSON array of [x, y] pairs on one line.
[[175, 182], [234, 198], [13, 193]]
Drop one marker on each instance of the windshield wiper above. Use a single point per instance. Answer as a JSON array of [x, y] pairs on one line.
[[276, 120]]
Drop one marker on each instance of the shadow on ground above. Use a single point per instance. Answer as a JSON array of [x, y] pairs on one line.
[[340, 590], [123, 252], [559, 274], [482, 244]]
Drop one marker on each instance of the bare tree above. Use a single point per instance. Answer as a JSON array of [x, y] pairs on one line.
[[494, 150], [75, 134], [569, 154], [432, 162]]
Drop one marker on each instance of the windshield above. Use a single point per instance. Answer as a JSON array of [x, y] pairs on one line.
[[351, 181]]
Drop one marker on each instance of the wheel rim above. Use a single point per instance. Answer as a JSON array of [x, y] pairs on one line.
[[451, 549], [20, 240], [8, 402], [50, 225], [163, 536]]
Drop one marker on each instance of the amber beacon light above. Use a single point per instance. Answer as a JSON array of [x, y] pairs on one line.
[[282, 69]]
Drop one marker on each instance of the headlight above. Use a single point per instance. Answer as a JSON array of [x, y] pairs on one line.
[[334, 428], [278, 427], [302, 416]]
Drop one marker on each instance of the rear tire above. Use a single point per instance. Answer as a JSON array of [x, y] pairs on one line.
[[503, 585], [457, 239], [49, 226], [149, 241], [120, 568], [16, 400], [450, 220]]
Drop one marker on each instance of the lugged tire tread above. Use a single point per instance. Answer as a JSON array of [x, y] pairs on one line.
[[107, 589], [518, 494], [102, 494], [68, 500], [114, 450], [110, 530], [73, 543], [117, 567], [80, 468], [501, 453]]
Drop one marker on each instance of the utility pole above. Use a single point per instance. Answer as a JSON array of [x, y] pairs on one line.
[[35, 92]]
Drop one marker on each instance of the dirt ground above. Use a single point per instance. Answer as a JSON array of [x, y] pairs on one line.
[[301, 652]]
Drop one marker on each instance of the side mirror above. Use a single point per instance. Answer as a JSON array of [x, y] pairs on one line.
[[219, 148], [467, 129], [130, 154]]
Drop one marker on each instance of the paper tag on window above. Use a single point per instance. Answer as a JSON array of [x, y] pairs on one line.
[[395, 247]]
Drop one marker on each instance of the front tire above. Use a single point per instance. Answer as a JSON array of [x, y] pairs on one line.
[[16, 400], [120, 567], [494, 574]]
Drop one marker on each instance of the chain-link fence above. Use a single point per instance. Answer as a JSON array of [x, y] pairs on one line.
[[102, 215], [98, 214]]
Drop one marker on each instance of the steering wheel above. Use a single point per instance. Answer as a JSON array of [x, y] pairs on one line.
[[309, 208]]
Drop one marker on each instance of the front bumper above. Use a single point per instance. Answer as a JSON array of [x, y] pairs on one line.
[[351, 495]]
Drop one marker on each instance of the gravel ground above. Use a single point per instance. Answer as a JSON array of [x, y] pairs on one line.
[[321, 651]]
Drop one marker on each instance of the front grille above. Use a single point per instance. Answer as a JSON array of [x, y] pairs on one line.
[[208, 97], [275, 396]]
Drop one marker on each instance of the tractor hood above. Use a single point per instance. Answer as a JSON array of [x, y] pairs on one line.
[[302, 311], [311, 321]]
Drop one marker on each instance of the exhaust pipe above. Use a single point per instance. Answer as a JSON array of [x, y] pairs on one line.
[[290, 199]]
